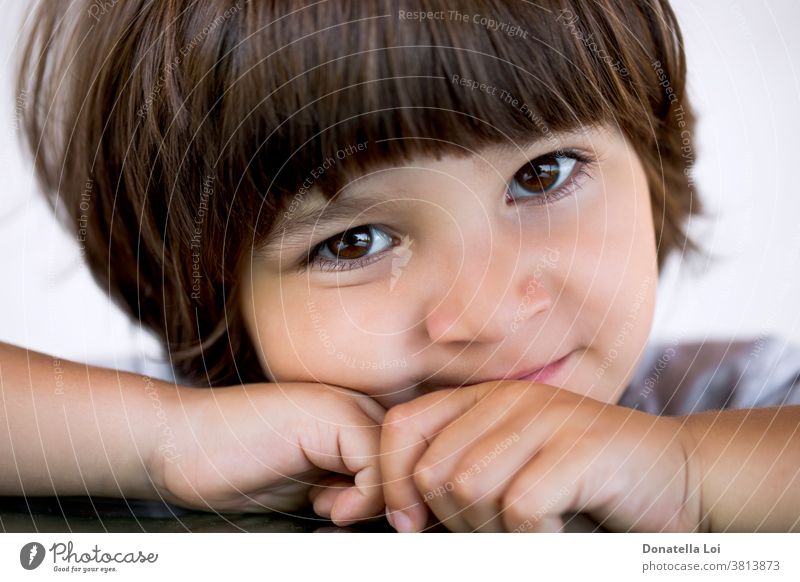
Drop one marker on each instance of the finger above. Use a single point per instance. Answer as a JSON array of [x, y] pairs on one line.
[[550, 485], [371, 408], [407, 431], [453, 473], [367, 404], [359, 449], [447, 472], [323, 495], [609, 484], [444, 507], [547, 524], [483, 475], [350, 446]]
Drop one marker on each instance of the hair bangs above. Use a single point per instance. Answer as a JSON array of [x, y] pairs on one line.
[[351, 94]]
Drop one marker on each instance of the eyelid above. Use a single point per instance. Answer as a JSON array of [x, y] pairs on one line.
[[311, 256], [580, 172]]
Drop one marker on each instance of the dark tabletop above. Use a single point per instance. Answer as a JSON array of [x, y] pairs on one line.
[[92, 515]]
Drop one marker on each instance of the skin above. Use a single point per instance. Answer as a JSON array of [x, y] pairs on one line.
[[71, 429], [491, 289]]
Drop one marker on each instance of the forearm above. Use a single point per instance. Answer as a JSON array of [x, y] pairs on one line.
[[72, 429], [749, 465]]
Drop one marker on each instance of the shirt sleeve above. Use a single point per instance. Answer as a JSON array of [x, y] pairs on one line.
[[676, 378], [772, 377]]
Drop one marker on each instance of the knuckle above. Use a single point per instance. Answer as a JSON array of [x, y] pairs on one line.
[[470, 485], [515, 501], [515, 512], [430, 480], [470, 490], [399, 416], [509, 498]]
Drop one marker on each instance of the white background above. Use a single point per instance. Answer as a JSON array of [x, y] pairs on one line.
[[436, 556], [743, 58]]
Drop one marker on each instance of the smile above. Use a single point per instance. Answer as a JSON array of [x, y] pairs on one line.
[[539, 375]]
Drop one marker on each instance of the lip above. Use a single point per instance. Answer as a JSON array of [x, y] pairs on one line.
[[546, 373], [540, 375]]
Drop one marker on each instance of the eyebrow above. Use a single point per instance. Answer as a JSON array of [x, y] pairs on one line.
[[294, 228]]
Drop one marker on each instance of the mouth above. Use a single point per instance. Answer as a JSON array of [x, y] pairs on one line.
[[542, 374]]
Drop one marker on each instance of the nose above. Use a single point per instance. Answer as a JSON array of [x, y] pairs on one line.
[[488, 291]]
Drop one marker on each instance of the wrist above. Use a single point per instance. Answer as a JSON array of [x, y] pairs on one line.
[[167, 409], [690, 437]]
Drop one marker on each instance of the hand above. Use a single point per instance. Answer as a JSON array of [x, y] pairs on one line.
[[516, 455], [272, 447]]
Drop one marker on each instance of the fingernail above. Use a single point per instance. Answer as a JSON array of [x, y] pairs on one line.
[[343, 522], [400, 521]]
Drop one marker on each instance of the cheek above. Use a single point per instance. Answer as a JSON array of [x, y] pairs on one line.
[[611, 279], [630, 287], [348, 336], [285, 330]]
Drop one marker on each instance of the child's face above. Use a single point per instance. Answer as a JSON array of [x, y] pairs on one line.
[[455, 283]]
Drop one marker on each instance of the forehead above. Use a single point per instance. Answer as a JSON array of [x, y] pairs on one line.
[[363, 189]]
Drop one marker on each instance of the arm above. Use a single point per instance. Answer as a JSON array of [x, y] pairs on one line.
[[72, 429], [749, 468]]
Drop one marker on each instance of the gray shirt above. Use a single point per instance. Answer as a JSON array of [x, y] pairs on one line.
[[677, 378]]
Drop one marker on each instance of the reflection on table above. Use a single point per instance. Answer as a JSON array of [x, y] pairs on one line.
[[91, 515]]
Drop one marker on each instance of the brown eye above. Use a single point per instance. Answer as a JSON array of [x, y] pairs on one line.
[[353, 244], [541, 175]]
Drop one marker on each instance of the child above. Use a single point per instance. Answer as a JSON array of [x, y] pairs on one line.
[[414, 249]]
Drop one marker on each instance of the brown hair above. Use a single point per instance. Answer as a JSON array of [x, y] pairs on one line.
[[172, 133]]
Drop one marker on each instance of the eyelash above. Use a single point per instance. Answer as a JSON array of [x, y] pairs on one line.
[[571, 184], [329, 265]]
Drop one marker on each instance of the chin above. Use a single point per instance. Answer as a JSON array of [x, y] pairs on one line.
[[391, 398]]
